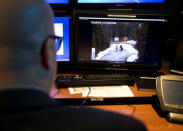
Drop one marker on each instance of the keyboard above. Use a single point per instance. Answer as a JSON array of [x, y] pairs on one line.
[[94, 80]]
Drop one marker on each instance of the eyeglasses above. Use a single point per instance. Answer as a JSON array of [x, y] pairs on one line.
[[55, 37], [58, 41]]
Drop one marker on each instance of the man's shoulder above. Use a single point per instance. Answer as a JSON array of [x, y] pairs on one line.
[[44, 113]]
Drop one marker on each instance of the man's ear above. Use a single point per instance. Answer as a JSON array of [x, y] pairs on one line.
[[47, 55]]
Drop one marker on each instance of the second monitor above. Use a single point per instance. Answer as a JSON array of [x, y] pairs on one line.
[[64, 49]]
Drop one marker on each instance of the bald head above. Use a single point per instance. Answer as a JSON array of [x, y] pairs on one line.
[[26, 21], [24, 27]]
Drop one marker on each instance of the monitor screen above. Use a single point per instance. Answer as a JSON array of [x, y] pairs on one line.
[[57, 1], [121, 1], [61, 27], [119, 41], [172, 92], [169, 90]]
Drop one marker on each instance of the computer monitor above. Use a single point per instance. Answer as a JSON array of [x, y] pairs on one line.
[[119, 43], [62, 28], [57, 1], [121, 3]]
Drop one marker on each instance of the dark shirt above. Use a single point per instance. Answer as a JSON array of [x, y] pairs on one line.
[[33, 110]]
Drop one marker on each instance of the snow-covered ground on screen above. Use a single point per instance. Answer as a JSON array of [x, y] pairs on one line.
[[119, 51]]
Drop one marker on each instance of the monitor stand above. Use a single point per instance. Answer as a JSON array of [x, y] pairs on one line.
[[175, 117]]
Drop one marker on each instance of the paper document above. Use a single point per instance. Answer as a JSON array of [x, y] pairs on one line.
[[103, 91]]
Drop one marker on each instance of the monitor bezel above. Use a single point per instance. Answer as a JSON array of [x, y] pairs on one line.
[[108, 65], [159, 87], [121, 5], [60, 6], [64, 64]]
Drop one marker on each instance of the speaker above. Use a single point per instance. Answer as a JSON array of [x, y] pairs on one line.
[[176, 50], [177, 64], [175, 30]]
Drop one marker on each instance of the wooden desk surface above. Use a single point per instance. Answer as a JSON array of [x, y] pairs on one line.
[[144, 112]]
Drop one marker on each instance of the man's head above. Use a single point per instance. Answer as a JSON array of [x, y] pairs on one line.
[[27, 55]]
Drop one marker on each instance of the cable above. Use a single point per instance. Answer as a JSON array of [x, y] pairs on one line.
[[131, 106], [84, 101], [134, 110]]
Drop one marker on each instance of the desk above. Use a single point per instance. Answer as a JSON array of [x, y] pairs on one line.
[[144, 112]]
